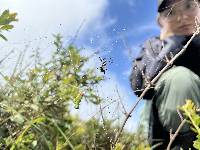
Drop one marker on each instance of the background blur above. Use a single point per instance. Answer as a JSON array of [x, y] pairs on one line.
[[115, 28]]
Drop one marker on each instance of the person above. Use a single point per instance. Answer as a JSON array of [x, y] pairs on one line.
[[178, 20]]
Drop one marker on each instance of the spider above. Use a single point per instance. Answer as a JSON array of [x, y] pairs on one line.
[[103, 65]]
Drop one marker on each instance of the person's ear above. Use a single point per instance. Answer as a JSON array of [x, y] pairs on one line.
[[159, 20], [164, 33]]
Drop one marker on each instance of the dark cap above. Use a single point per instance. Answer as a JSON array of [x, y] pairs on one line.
[[162, 4]]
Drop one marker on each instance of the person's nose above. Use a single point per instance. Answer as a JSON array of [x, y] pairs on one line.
[[185, 16], [178, 18], [182, 16]]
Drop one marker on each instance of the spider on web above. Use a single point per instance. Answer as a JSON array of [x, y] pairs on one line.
[[104, 64]]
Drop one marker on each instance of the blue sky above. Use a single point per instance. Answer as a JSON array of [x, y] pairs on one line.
[[134, 22], [107, 24]]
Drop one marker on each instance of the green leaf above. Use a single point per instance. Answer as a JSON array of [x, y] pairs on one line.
[[3, 37], [119, 146], [34, 143], [6, 27], [7, 17], [77, 100], [18, 118]]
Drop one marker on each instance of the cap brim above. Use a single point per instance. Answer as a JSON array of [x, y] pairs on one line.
[[162, 6]]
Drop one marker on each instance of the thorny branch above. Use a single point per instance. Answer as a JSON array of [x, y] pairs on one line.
[[172, 138], [104, 107], [77, 32], [1, 61], [122, 105], [152, 82], [101, 112], [129, 50]]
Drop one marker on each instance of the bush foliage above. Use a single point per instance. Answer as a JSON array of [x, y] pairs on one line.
[[35, 104], [6, 18], [193, 117]]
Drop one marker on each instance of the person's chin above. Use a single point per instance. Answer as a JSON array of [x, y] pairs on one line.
[[186, 32]]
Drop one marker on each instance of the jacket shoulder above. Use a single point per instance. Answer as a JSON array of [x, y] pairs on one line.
[[153, 45], [149, 49]]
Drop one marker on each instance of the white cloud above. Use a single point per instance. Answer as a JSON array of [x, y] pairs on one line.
[[39, 19]]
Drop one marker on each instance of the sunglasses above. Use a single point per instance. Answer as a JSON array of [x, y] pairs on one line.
[[185, 6]]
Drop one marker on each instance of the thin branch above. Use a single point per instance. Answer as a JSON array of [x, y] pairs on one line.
[[152, 82], [126, 46], [180, 115], [121, 103], [104, 108], [17, 63], [176, 133], [94, 54], [101, 113], [77, 32], [156, 145], [23, 56], [1, 61], [173, 136]]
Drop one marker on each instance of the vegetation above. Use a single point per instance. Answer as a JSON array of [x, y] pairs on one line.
[[193, 117], [6, 18], [35, 110], [35, 104]]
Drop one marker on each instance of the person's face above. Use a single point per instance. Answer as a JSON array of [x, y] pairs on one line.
[[179, 18]]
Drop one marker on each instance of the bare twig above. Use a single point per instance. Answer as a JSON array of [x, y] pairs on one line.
[[180, 115], [175, 134], [101, 112], [104, 108], [1, 61], [23, 69], [95, 142], [17, 63], [156, 145], [152, 82], [170, 133], [77, 32], [126, 46], [121, 103], [23, 55]]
